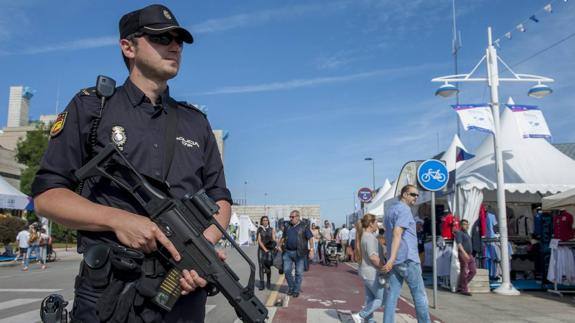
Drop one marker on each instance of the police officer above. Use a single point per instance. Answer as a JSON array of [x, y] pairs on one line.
[[135, 118]]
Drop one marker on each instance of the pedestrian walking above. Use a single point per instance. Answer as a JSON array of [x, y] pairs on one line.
[[295, 246], [326, 235], [34, 242], [316, 235], [466, 260], [343, 236], [352, 234], [167, 141], [370, 253], [266, 251], [45, 242], [403, 263], [23, 244]]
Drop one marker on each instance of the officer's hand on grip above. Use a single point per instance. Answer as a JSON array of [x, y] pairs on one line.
[[139, 232], [191, 280]]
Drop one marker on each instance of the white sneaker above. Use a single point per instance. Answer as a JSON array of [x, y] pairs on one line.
[[356, 318]]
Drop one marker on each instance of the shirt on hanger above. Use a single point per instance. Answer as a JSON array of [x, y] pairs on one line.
[[563, 226]]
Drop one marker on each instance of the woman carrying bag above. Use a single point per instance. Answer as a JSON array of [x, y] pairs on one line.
[[266, 238]]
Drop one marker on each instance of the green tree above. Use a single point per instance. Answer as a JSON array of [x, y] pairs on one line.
[[9, 227], [29, 152]]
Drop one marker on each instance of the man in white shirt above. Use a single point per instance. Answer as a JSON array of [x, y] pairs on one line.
[[343, 236], [326, 236], [352, 242], [23, 244]]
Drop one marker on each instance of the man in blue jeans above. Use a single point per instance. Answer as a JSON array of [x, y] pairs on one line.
[[295, 244], [403, 263]]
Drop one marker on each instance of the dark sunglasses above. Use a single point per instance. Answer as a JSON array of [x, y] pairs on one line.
[[293, 216], [165, 39], [413, 194]]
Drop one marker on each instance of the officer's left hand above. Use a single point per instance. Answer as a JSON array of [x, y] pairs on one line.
[[221, 254], [190, 280], [311, 254]]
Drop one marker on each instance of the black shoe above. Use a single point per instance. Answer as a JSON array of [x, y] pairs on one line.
[[289, 293], [261, 285], [269, 285], [465, 293], [294, 295]]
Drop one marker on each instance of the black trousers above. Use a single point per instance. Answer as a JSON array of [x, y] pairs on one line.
[[262, 267], [188, 309]]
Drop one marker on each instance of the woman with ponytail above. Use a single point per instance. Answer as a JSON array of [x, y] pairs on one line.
[[368, 251]]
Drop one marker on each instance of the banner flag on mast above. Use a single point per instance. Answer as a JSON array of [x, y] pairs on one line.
[[475, 117], [461, 155], [530, 121]]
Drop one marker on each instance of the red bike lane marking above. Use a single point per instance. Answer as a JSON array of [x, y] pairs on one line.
[[329, 287]]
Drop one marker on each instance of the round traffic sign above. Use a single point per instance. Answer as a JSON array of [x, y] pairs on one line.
[[432, 175], [365, 194]]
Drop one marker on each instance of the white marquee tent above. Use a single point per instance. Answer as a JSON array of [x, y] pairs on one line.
[[375, 207], [449, 156], [245, 227], [11, 198], [234, 219], [532, 167], [564, 200]]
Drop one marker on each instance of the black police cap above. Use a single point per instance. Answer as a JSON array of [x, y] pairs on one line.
[[153, 19]]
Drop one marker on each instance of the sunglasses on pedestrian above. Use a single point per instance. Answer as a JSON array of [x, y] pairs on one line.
[[165, 39], [413, 194]]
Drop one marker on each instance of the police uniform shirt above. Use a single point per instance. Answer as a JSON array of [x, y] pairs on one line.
[[196, 160]]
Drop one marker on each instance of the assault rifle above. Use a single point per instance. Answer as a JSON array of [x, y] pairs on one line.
[[183, 221]]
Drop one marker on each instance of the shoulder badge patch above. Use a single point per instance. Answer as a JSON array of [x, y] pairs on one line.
[[88, 91], [193, 107], [58, 125]]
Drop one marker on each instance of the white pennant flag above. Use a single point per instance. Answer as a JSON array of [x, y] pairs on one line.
[[548, 8], [521, 28], [475, 117], [508, 35]]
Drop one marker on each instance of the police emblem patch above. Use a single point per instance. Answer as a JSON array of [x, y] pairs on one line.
[[119, 136], [167, 15], [58, 125]]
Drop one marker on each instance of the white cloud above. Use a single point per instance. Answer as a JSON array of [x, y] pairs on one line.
[[85, 43], [300, 83], [209, 26], [264, 16]]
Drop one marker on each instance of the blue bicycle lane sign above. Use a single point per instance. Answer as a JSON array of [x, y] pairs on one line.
[[432, 175]]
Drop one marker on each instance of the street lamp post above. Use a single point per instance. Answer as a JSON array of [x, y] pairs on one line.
[[245, 192], [493, 79], [372, 171]]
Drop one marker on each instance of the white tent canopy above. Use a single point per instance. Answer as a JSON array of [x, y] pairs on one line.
[[532, 166], [375, 207], [449, 156], [558, 201], [246, 225], [11, 198], [234, 219]]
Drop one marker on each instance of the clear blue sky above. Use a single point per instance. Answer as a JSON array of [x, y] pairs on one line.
[[306, 89]]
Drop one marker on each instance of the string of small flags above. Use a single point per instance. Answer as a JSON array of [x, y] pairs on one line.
[[533, 19]]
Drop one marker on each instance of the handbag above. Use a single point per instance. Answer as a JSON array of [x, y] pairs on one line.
[[278, 261]]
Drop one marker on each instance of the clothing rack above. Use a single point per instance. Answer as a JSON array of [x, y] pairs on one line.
[[518, 238], [555, 290]]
